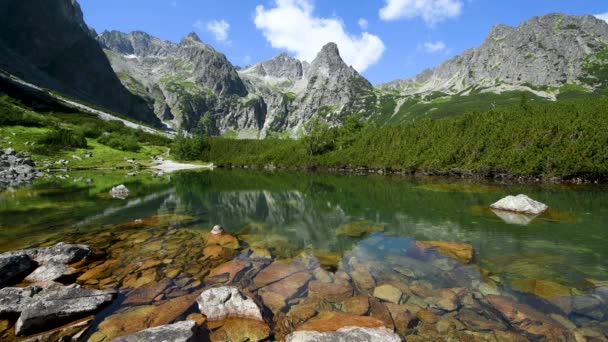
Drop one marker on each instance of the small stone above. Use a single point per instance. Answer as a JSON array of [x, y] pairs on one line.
[[217, 230], [358, 305], [388, 293], [462, 252]]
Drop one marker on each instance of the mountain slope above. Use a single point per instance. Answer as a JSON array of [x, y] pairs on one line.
[[193, 87], [46, 42], [546, 51]]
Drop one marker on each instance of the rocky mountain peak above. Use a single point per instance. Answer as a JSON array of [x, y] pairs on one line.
[[192, 37]]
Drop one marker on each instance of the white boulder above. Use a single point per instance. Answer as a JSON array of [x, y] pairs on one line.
[[224, 302], [520, 204]]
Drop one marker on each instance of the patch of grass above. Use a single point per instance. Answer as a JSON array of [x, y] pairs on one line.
[[119, 142]]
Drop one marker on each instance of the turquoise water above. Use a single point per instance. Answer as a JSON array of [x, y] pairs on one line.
[[300, 211]]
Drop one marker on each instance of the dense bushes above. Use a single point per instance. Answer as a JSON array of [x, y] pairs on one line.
[[563, 139], [190, 148], [120, 142], [60, 138]]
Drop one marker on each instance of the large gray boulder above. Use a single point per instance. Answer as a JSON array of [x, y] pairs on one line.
[[14, 299], [348, 334], [520, 204], [223, 302], [54, 307], [50, 272], [14, 268], [185, 331]]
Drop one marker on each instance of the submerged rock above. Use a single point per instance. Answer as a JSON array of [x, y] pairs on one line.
[[224, 302], [520, 204], [359, 228], [332, 321], [527, 319], [388, 293], [460, 251], [55, 307], [349, 334], [186, 331]]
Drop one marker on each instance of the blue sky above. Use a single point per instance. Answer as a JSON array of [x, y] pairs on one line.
[[383, 39]]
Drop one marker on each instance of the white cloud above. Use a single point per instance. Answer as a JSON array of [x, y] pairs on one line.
[[431, 11], [219, 29], [431, 47], [292, 25], [602, 16], [363, 23]]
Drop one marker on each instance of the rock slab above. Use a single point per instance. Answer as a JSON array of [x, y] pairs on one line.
[[54, 307], [348, 334], [185, 331]]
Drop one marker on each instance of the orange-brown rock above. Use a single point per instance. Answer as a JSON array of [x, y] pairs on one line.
[[142, 317], [239, 329], [460, 251], [147, 293], [276, 271], [329, 291], [404, 320], [234, 269], [331, 321], [216, 252], [225, 240], [98, 272], [276, 295], [200, 319], [378, 310], [527, 319], [358, 305]]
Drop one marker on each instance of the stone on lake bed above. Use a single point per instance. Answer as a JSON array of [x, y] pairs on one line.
[[351, 334], [520, 204], [224, 302], [388, 293], [359, 228], [185, 331], [119, 191], [327, 321], [460, 251]]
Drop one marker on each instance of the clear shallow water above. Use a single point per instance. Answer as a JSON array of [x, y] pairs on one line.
[[297, 211]]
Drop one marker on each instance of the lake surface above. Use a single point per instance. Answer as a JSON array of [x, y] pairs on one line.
[[328, 216], [568, 244]]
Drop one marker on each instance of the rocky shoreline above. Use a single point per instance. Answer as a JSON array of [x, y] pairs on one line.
[[480, 175], [16, 168], [187, 285]]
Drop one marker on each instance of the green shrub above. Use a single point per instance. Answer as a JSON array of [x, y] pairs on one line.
[[60, 138], [190, 148], [121, 142]]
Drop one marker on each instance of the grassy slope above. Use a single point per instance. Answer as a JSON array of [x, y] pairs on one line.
[[37, 125], [103, 156]]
